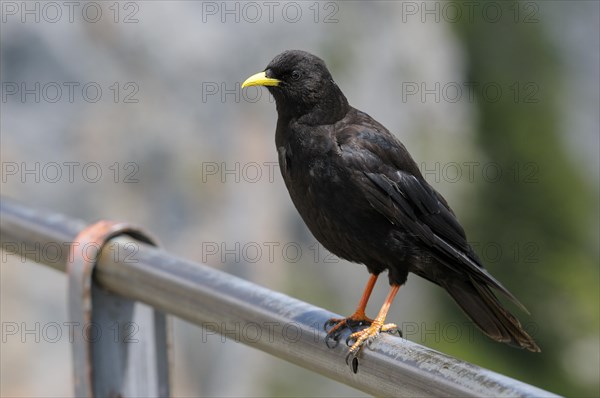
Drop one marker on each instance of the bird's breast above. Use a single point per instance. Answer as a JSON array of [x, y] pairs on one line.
[[319, 188]]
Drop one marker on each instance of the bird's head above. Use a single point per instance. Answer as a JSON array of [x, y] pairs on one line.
[[301, 85]]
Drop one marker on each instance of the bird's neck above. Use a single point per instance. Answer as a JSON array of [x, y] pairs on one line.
[[331, 109]]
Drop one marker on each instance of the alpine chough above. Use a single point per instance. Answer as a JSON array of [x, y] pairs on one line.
[[364, 199]]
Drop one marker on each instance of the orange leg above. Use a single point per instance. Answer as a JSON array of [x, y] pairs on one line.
[[377, 325], [359, 316]]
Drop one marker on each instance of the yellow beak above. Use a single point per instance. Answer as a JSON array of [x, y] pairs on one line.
[[260, 79]]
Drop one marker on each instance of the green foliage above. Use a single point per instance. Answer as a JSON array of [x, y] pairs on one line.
[[542, 212]]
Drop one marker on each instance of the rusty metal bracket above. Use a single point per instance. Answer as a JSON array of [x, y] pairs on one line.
[[123, 348]]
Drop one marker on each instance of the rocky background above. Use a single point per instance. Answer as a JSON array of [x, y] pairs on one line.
[[133, 111]]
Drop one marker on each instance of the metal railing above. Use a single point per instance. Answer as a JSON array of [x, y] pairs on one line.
[[283, 326]]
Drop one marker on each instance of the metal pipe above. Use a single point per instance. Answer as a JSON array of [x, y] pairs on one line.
[[269, 321]]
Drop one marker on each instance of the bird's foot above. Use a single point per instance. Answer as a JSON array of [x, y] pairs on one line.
[[368, 335], [335, 326]]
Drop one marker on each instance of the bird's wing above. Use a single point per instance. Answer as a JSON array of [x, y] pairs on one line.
[[395, 188]]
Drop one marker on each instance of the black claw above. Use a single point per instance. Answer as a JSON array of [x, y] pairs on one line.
[[352, 361], [335, 334], [332, 341], [348, 356], [349, 339], [354, 365], [395, 331], [370, 341], [329, 324]]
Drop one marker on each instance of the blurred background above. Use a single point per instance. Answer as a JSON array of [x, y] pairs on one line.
[[133, 111]]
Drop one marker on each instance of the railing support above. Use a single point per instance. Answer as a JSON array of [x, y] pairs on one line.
[[106, 361]]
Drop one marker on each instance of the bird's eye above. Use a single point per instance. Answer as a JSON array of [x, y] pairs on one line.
[[295, 75]]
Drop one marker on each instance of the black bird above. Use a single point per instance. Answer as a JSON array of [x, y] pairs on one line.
[[363, 197]]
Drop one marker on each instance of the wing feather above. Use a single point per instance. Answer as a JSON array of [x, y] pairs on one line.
[[396, 189]]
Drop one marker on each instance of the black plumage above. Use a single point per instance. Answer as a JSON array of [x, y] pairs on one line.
[[363, 197]]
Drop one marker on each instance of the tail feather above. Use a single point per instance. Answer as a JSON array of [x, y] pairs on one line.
[[481, 305]]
